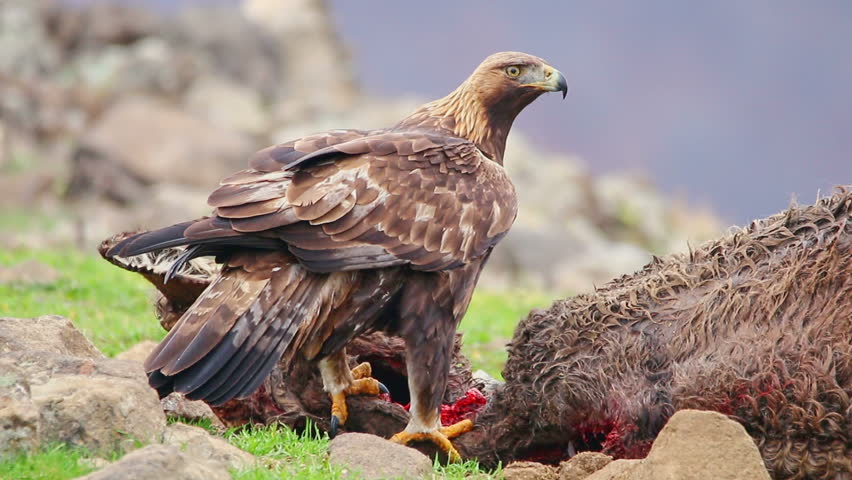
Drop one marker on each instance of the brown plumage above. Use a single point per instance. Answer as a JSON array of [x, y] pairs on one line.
[[756, 325], [344, 232]]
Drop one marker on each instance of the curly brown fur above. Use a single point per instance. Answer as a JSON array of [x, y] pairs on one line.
[[756, 325]]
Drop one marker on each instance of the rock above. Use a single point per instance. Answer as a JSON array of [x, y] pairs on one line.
[[19, 417], [305, 33], [375, 458], [49, 333], [138, 352], [159, 462], [699, 445], [694, 445], [150, 65], [155, 141], [222, 43], [99, 411], [25, 48], [98, 24], [48, 395], [23, 190], [582, 465], [177, 406], [198, 443], [529, 471], [227, 105], [617, 470]]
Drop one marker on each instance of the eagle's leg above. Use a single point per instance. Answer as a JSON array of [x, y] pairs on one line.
[[338, 381], [428, 359]]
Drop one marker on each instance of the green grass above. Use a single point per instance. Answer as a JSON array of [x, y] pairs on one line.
[[51, 462], [113, 307], [298, 456]]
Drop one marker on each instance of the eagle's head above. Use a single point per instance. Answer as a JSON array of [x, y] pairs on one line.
[[483, 108], [509, 81]]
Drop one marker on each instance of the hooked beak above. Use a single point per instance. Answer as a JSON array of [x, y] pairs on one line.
[[554, 81]]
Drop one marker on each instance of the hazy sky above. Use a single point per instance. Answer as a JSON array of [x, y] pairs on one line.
[[734, 104]]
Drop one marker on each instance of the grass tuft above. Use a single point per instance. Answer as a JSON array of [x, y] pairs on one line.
[[50, 462]]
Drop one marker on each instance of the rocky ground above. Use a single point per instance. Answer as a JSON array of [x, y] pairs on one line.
[[56, 387], [115, 118]]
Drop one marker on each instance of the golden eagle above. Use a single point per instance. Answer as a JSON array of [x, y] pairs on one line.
[[336, 234]]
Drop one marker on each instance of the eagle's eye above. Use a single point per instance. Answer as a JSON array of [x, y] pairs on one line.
[[513, 71]]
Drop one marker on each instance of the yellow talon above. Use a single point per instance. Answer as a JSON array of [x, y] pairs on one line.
[[441, 438], [364, 384], [338, 407], [458, 428], [363, 370]]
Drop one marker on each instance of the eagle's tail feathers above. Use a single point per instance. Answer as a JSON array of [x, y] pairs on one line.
[[151, 241]]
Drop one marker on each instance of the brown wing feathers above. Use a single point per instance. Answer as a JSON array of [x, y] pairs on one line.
[[346, 201], [229, 340]]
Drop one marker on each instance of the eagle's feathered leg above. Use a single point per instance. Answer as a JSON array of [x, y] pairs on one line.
[[428, 325], [427, 389], [339, 382]]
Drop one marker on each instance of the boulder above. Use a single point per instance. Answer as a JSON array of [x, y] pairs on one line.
[[104, 405], [227, 105], [529, 471], [49, 333], [55, 386], [582, 465], [19, 416], [694, 445], [159, 462], [197, 443], [699, 445], [154, 141], [376, 458], [304, 31]]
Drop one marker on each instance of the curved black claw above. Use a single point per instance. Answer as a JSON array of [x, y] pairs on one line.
[[332, 430], [383, 388]]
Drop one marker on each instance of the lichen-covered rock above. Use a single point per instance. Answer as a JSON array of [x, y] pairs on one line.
[[160, 462], [582, 465], [529, 471], [198, 443], [374, 457]]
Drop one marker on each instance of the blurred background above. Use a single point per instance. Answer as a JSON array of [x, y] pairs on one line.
[[682, 119]]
